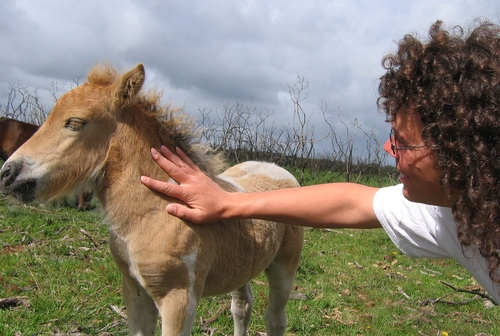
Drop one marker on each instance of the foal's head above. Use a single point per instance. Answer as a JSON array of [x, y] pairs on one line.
[[102, 127]]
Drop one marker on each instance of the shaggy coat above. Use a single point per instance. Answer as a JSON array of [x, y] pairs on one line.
[[99, 135]]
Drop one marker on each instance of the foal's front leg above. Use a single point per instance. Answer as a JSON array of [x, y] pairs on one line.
[[178, 312], [141, 310]]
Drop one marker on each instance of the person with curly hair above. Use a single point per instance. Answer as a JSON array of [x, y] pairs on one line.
[[442, 99]]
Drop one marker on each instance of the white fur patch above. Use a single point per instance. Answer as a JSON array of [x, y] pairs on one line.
[[268, 169], [190, 262], [230, 180]]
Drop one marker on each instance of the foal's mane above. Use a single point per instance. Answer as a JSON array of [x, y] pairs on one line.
[[174, 126]]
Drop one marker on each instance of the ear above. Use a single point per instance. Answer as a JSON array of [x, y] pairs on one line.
[[130, 84]]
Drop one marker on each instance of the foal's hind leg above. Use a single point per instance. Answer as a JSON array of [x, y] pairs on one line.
[[241, 309], [280, 284]]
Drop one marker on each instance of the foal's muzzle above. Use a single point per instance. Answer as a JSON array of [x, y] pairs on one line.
[[10, 184]]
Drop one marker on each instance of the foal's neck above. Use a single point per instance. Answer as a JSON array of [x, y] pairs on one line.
[[125, 199]]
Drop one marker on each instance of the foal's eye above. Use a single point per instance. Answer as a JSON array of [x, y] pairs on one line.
[[75, 125]]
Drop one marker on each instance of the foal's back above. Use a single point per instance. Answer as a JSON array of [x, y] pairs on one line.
[[255, 176], [271, 241]]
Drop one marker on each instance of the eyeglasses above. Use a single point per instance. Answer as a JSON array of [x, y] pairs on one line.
[[394, 141]]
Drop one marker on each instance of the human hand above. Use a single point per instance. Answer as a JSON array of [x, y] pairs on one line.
[[202, 196]]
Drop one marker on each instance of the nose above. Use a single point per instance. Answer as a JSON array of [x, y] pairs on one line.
[[8, 174], [388, 149]]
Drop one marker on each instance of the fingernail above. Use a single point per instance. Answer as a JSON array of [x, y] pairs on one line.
[[154, 152], [170, 209], [144, 179], [164, 149]]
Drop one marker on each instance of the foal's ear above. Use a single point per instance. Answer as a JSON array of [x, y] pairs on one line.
[[130, 84]]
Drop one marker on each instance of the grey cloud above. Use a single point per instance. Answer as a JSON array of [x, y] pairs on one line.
[[213, 53]]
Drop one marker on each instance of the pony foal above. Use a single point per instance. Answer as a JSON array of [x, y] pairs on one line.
[[167, 264]]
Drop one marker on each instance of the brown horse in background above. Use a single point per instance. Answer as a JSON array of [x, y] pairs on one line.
[[14, 133], [100, 134]]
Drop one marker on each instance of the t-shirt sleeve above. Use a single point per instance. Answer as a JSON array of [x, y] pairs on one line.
[[413, 227]]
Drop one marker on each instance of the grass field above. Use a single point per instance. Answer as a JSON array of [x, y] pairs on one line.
[[56, 269]]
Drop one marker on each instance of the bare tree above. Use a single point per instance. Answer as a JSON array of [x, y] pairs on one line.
[[250, 133], [25, 104], [342, 147]]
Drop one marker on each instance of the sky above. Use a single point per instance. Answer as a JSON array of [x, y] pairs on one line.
[[211, 54]]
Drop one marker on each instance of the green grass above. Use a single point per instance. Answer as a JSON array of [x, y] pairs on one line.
[[310, 177], [350, 282]]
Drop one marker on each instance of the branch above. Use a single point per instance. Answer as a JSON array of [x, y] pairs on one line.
[[214, 318], [457, 290], [14, 302], [92, 240]]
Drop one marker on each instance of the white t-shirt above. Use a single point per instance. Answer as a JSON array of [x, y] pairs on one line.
[[426, 231]]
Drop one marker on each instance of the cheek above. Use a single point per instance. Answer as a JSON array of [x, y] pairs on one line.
[[405, 162], [428, 164], [426, 171], [418, 165]]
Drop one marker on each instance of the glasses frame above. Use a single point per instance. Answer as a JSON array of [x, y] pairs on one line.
[[393, 140]]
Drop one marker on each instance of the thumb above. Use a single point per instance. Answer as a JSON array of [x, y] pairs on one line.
[[172, 209], [177, 210]]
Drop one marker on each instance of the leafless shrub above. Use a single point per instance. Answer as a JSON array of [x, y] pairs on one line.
[[250, 133], [25, 104]]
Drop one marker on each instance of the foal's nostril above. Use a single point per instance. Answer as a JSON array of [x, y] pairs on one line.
[[8, 173]]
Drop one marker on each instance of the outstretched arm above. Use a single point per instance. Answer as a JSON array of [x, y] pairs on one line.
[[334, 205]]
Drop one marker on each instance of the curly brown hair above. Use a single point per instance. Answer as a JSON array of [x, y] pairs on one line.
[[452, 81]]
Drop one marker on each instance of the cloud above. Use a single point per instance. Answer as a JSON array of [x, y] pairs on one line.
[[209, 54]]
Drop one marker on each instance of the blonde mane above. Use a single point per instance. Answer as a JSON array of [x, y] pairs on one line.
[[173, 125]]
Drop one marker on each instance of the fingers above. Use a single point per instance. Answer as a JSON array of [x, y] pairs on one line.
[[181, 159], [191, 183], [182, 212], [180, 168], [166, 188], [167, 154], [190, 214], [170, 164]]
